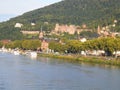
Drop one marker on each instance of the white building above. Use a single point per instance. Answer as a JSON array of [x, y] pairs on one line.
[[18, 25], [32, 24], [83, 39]]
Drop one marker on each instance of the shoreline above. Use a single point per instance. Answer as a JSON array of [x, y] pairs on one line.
[[87, 59]]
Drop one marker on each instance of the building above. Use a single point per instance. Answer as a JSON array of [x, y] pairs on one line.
[[18, 25], [6, 41], [33, 24], [70, 29], [41, 35], [29, 32], [105, 32], [83, 39], [44, 46]]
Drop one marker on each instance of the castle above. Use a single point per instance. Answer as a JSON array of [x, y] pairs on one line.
[[70, 29]]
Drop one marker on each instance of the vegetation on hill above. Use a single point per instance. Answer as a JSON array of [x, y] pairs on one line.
[[78, 12], [75, 12]]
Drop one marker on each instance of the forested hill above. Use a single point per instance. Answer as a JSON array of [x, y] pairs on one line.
[[91, 12], [75, 12]]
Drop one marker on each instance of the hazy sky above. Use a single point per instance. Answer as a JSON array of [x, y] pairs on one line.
[[10, 8]]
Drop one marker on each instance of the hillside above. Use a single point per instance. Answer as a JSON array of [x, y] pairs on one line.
[[74, 11], [91, 12]]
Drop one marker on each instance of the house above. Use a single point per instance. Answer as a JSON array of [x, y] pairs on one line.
[[18, 25], [6, 41], [33, 24], [116, 54], [83, 39], [95, 52], [107, 31]]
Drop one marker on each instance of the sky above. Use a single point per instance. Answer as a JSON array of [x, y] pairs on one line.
[[12, 8]]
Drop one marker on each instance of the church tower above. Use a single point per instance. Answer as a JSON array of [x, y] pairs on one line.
[[41, 34], [98, 30]]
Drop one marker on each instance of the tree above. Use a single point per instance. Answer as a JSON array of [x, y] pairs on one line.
[[31, 44], [17, 44], [1, 44], [57, 47], [74, 46]]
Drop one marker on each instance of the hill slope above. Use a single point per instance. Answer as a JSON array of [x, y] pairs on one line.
[[92, 12], [74, 11]]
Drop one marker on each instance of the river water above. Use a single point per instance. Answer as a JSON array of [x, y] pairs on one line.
[[23, 73]]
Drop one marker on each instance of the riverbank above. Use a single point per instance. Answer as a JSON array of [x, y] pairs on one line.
[[90, 59]]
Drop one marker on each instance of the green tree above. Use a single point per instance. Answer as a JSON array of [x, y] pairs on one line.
[[31, 44], [1, 44], [74, 46], [57, 47]]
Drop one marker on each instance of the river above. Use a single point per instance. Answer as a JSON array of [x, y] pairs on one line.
[[23, 73]]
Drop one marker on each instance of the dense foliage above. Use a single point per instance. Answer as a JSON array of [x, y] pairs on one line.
[[109, 45], [24, 44], [75, 12], [57, 47], [1, 44], [7, 31]]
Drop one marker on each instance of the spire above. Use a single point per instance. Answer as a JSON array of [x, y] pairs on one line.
[[98, 29], [41, 34], [41, 28]]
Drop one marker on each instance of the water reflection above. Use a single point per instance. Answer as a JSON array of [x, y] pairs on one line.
[[78, 63], [24, 73]]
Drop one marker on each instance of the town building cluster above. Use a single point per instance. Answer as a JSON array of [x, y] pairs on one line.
[[70, 29], [108, 31]]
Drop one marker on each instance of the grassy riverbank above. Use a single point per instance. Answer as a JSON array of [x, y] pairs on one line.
[[90, 59]]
